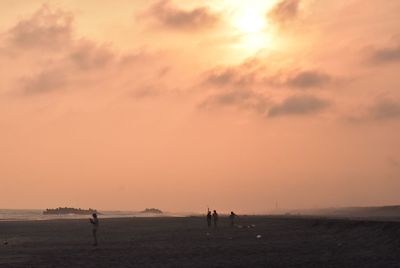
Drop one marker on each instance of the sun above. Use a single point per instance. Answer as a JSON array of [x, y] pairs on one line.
[[251, 27], [248, 27], [250, 20]]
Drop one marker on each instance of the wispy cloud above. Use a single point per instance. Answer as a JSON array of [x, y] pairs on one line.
[[284, 12], [88, 55], [299, 105], [254, 74], [385, 109], [44, 82], [169, 15], [382, 109], [68, 62], [389, 54], [308, 79], [45, 29], [241, 99], [231, 76]]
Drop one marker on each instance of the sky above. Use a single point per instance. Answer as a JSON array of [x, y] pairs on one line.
[[181, 105]]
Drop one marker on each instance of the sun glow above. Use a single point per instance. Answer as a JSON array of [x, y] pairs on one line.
[[252, 28], [250, 20]]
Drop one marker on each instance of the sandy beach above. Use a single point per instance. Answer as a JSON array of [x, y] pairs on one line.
[[187, 242]]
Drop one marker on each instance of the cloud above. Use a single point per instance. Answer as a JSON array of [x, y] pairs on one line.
[[221, 77], [255, 75], [82, 62], [49, 29], [393, 162], [231, 76], [385, 109], [146, 92], [259, 103], [60, 61], [44, 82], [242, 99], [284, 12], [45, 29], [383, 55], [173, 17], [298, 105], [250, 73], [308, 79], [87, 55], [48, 33], [253, 85]]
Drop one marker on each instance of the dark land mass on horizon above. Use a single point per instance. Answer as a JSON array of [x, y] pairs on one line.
[[261, 241], [152, 211], [67, 210]]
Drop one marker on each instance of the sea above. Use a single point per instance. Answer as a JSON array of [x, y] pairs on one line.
[[37, 215]]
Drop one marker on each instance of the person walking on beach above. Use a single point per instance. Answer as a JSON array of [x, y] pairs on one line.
[[232, 218], [95, 225], [209, 218], [215, 217]]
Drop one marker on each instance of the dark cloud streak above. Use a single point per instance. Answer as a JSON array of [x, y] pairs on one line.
[[385, 55], [243, 76], [385, 109], [87, 55], [309, 79], [284, 12], [45, 29], [299, 105], [44, 82], [174, 17], [241, 99]]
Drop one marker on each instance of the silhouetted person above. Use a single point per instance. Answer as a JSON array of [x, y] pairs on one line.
[[209, 218], [95, 224], [232, 218], [215, 217]]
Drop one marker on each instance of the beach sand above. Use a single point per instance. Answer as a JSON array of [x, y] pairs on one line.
[[187, 242]]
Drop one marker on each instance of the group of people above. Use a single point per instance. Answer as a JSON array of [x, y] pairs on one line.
[[210, 216], [214, 216]]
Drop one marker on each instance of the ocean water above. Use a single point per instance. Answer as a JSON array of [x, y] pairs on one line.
[[37, 215]]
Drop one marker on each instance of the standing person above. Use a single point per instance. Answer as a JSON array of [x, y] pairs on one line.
[[215, 217], [209, 218], [95, 225], [232, 218]]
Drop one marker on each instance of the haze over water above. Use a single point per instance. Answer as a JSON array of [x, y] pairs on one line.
[[181, 105]]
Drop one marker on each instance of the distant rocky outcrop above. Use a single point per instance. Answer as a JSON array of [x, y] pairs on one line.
[[152, 211], [66, 210]]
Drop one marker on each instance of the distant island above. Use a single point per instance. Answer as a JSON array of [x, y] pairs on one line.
[[66, 210], [152, 211]]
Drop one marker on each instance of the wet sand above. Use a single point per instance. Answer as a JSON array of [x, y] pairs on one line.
[[187, 242]]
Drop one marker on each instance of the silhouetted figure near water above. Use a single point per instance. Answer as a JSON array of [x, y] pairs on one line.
[[215, 217], [232, 218], [209, 218], [95, 225]]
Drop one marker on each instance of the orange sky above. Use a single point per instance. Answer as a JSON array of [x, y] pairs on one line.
[[182, 104]]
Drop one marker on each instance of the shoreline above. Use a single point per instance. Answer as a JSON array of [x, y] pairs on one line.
[[255, 241], [266, 216]]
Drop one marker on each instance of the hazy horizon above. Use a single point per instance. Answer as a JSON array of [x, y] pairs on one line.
[[181, 105], [388, 210]]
